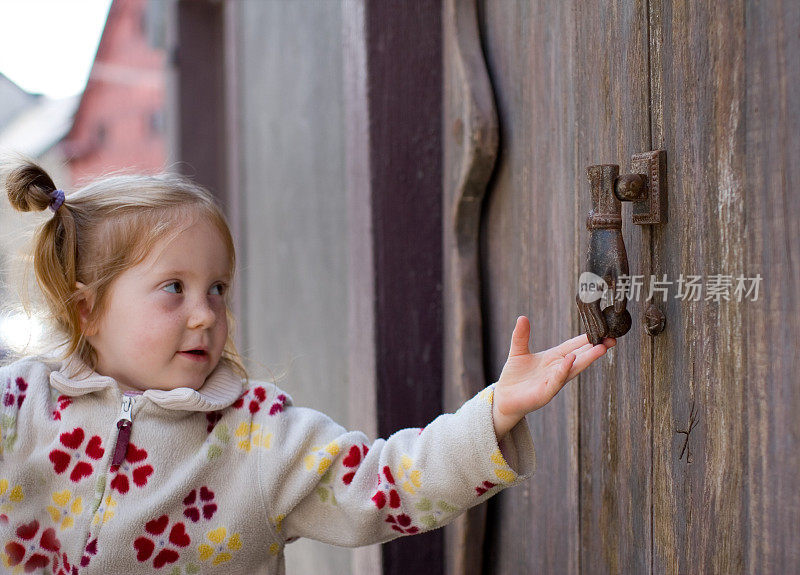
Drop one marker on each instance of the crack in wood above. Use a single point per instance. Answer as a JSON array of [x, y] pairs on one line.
[[693, 421]]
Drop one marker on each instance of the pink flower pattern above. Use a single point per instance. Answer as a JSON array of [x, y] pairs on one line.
[[253, 398], [162, 544], [353, 459], [206, 505], [63, 402], [10, 397], [133, 464], [72, 441], [26, 540]]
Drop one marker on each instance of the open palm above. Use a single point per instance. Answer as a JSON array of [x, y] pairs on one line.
[[530, 380]]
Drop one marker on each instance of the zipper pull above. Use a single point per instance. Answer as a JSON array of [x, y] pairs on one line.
[[124, 424]]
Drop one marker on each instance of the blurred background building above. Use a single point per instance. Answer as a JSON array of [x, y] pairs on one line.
[[120, 122]]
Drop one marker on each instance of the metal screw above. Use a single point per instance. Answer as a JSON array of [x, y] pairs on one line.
[[654, 320]]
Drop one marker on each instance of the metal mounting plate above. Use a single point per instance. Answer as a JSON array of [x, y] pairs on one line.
[[653, 166]]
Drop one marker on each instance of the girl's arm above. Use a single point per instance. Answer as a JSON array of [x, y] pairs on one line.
[[320, 481]]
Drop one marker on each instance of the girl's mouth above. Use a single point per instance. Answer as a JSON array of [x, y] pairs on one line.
[[194, 355]]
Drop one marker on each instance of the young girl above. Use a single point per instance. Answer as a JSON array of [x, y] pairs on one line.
[[144, 446]]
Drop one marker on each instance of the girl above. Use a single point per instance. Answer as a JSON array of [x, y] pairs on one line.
[[144, 446]]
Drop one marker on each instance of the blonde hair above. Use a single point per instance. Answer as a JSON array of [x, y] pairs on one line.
[[102, 230]]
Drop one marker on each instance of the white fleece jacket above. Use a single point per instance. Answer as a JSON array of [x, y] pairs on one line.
[[219, 480]]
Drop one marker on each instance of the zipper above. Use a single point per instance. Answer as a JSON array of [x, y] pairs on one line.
[[124, 425]]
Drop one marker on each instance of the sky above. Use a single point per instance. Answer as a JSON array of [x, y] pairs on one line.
[[47, 46]]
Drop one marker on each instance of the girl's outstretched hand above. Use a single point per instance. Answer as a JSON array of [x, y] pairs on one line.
[[530, 380]]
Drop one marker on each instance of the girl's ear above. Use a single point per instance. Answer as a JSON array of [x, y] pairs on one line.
[[85, 303]]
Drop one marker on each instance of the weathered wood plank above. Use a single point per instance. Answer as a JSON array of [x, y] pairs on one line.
[[611, 83], [771, 334], [699, 441], [528, 264]]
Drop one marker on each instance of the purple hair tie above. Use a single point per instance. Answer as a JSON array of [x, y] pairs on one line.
[[58, 199]]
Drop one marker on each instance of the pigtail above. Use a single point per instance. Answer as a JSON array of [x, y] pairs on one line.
[[30, 188]]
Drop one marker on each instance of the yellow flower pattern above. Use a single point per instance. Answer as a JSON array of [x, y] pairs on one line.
[[65, 510], [9, 496], [502, 470], [322, 457], [406, 477], [250, 435], [277, 522], [222, 547], [105, 511]]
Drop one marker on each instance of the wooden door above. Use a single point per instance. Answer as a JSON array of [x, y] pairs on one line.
[[676, 453]]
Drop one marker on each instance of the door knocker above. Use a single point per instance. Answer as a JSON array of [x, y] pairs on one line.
[[606, 259]]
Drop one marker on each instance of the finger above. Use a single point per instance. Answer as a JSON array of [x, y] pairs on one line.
[[583, 348], [572, 344], [586, 358], [609, 342], [520, 337], [565, 367]]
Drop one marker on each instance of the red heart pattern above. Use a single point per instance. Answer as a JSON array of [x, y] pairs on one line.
[[49, 540], [15, 552], [353, 458], [95, 448], [73, 439], [140, 475], [189, 499], [120, 483], [165, 556], [135, 454], [28, 531], [60, 460], [36, 561], [157, 526], [144, 548], [178, 535], [81, 470]]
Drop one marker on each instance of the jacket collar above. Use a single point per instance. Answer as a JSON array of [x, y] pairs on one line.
[[220, 390]]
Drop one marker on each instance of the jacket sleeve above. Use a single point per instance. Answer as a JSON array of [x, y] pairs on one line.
[[328, 484]]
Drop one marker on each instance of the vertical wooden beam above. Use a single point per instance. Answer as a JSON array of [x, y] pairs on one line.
[[200, 84], [404, 88], [232, 170]]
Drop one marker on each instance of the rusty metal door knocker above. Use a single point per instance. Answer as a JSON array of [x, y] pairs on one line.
[[606, 257]]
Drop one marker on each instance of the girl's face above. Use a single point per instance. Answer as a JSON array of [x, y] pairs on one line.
[[159, 310]]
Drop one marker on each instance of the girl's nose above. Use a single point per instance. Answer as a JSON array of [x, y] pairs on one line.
[[202, 314]]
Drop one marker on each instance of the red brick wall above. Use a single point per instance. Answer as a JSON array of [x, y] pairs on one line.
[[120, 122]]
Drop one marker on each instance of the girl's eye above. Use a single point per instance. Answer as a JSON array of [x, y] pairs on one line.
[[176, 288]]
